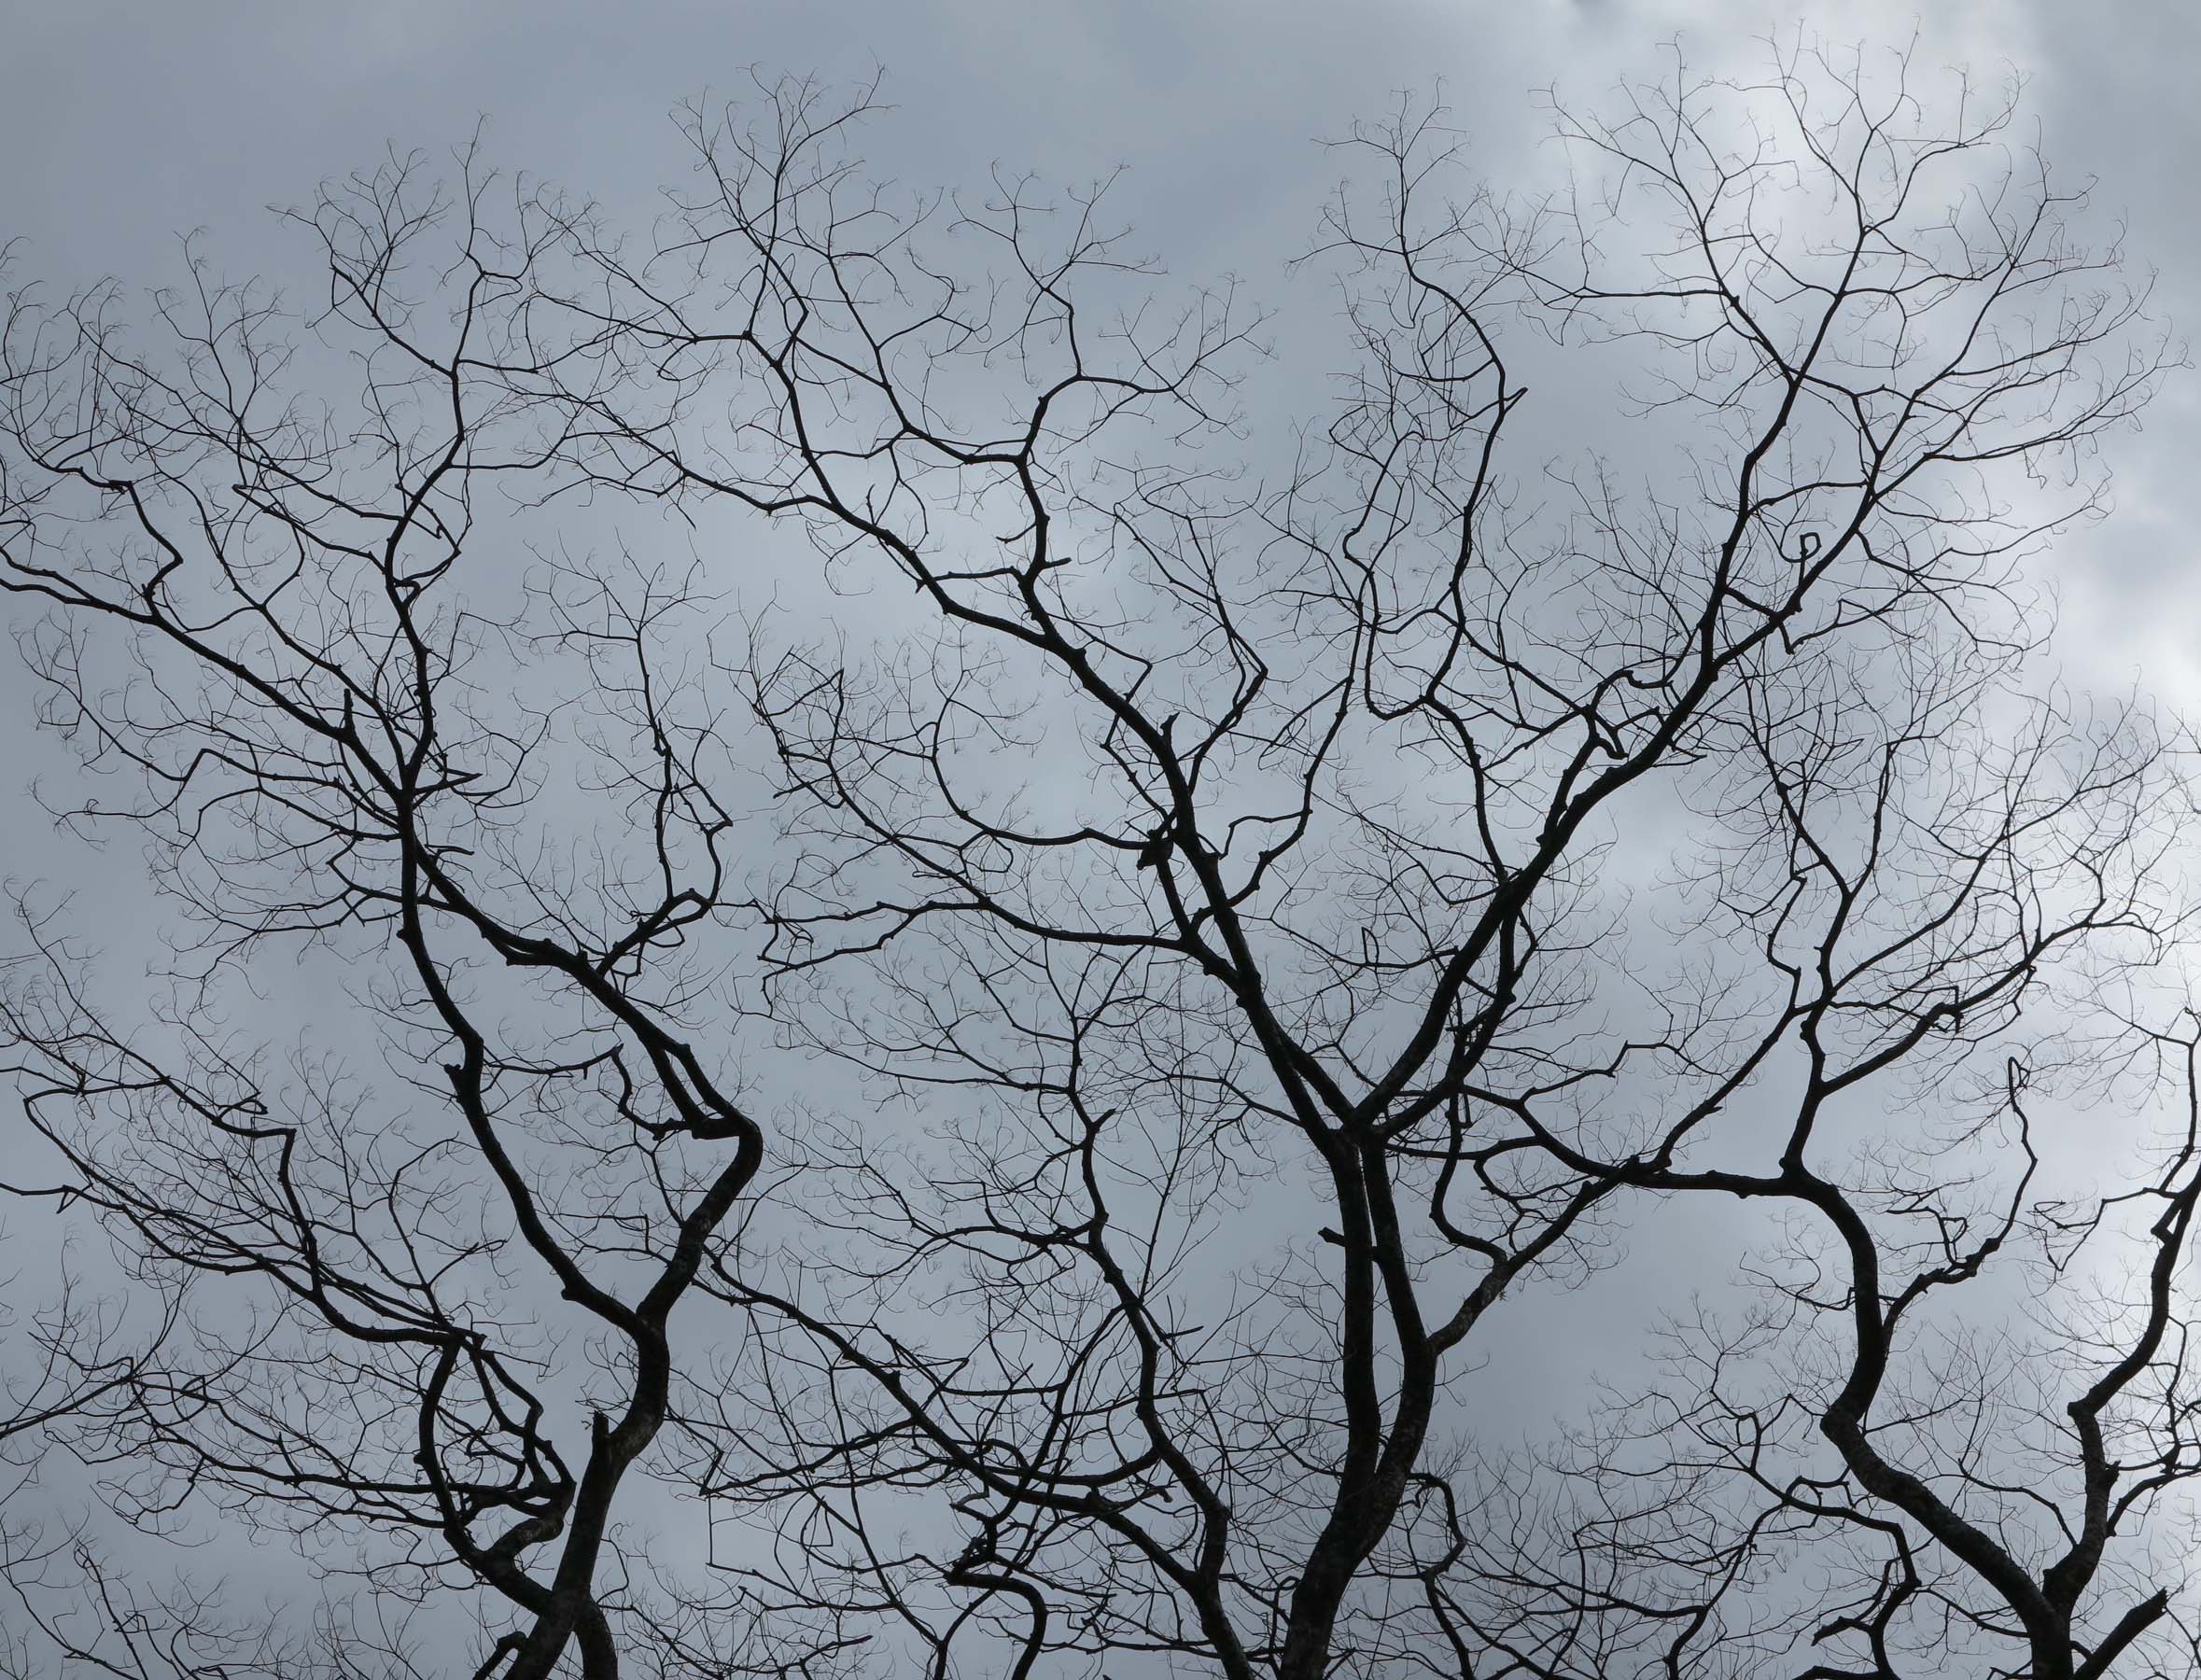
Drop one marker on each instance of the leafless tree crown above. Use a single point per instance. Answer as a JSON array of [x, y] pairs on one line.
[[963, 1099]]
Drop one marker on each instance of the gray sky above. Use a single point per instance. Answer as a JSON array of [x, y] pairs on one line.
[[124, 125]]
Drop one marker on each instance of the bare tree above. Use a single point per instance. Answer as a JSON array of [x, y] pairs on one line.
[[295, 683], [1933, 1413], [1252, 887], [1234, 951]]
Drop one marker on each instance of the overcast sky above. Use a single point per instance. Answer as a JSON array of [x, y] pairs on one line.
[[123, 125]]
